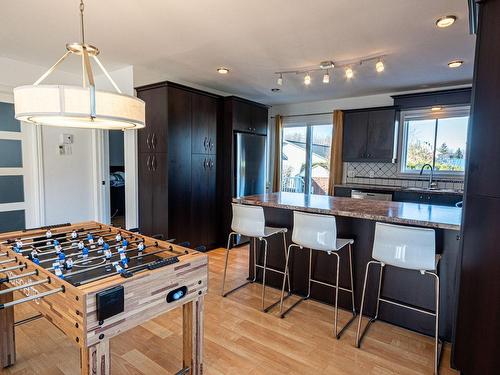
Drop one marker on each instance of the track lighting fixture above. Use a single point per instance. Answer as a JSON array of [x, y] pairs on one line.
[[326, 66], [326, 77]]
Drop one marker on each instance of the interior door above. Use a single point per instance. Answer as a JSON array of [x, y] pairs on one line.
[[250, 164]]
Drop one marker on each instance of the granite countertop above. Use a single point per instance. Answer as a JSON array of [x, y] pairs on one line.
[[399, 188], [424, 215]]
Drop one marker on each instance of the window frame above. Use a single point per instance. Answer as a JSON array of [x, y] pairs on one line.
[[308, 124], [426, 114]]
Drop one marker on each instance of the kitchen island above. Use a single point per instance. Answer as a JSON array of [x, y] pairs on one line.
[[356, 219]]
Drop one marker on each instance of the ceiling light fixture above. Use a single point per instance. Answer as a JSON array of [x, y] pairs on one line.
[[436, 109], [326, 77], [455, 64], [78, 106], [307, 79], [379, 66], [445, 21], [326, 65], [349, 73], [222, 70], [280, 80]]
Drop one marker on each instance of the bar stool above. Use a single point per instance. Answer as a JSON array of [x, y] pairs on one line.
[[249, 221], [319, 232], [408, 248]]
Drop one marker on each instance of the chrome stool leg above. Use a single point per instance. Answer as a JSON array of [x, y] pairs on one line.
[[283, 314], [438, 345], [264, 274], [286, 264], [358, 336], [224, 294]]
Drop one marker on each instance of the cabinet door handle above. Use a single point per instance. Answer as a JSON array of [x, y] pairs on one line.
[[210, 144], [205, 143], [147, 141], [205, 163], [148, 163], [211, 163], [154, 164], [153, 141]]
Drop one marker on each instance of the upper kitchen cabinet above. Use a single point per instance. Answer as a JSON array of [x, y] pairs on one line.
[[248, 116], [369, 135], [154, 137], [204, 124]]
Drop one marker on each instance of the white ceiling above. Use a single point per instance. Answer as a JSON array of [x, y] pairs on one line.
[[189, 39]]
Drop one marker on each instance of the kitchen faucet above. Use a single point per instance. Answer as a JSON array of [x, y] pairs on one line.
[[432, 184]]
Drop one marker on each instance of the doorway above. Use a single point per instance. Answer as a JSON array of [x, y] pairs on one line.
[[117, 178]]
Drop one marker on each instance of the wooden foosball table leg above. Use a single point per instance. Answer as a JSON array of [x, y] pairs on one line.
[[193, 336], [95, 360], [7, 334]]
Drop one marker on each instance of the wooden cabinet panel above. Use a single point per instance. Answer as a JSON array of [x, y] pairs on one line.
[[199, 197], [259, 119], [159, 167], [153, 138], [380, 141], [179, 163], [204, 124], [212, 214], [355, 135], [242, 116], [369, 135], [145, 183], [427, 198]]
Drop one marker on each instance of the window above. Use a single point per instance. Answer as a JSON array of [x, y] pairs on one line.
[[439, 140], [305, 158]]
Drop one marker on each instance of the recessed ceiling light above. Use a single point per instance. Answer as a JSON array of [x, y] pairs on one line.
[[379, 66], [455, 64], [349, 73], [275, 89], [307, 79], [222, 70], [436, 109], [445, 21]]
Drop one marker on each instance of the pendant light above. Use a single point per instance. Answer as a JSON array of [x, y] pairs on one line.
[[79, 106]]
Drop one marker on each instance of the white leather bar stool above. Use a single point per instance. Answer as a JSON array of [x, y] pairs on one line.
[[319, 233], [410, 248], [249, 221]]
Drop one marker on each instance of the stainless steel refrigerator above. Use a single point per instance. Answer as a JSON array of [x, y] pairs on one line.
[[250, 167]]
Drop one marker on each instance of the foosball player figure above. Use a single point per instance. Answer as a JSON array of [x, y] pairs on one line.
[[81, 245], [74, 235], [140, 248], [118, 237], [62, 258], [34, 256], [85, 253], [69, 263], [57, 270]]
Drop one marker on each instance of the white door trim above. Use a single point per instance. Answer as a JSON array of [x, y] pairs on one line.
[[131, 179]]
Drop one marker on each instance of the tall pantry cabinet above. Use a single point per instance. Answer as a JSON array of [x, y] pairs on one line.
[[177, 164]]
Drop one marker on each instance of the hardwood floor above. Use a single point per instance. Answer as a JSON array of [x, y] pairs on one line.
[[239, 339]]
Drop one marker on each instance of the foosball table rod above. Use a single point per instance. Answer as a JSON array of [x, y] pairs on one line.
[[31, 298], [20, 276], [27, 285]]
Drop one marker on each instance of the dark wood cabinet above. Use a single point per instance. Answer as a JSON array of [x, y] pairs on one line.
[[177, 172], [204, 125], [154, 137], [203, 200], [249, 117], [369, 135], [440, 199]]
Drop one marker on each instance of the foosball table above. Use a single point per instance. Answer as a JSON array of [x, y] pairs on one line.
[[94, 281]]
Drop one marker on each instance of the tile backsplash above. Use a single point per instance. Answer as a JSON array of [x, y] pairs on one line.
[[387, 174]]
